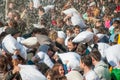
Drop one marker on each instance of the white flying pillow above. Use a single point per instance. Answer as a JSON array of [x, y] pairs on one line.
[[113, 55], [61, 34], [69, 11], [48, 7], [84, 37], [30, 42], [72, 59], [30, 72], [101, 47]]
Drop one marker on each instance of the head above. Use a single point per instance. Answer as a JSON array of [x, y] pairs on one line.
[[69, 32], [3, 64], [60, 23], [58, 69], [41, 10], [95, 55], [85, 62], [10, 15], [116, 23], [53, 35], [81, 49], [76, 29], [11, 5], [16, 16], [49, 74], [71, 45]]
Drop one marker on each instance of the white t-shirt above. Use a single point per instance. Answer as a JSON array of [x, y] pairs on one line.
[[45, 58], [91, 75]]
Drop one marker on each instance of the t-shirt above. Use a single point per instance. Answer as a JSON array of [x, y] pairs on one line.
[[111, 30], [91, 75]]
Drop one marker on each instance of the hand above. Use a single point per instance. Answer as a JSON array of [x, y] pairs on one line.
[[16, 69]]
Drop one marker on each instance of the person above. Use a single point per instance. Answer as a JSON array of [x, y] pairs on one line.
[[69, 33], [44, 16], [50, 74], [101, 69], [21, 24], [82, 49], [71, 45], [14, 73], [76, 30], [58, 69], [86, 66], [115, 24]]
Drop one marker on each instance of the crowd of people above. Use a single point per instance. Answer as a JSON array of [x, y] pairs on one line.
[[60, 40]]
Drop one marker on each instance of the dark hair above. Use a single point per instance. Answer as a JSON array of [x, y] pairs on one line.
[[76, 26], [116, 22], [70, 40], [41, 9], [95, 54], [50, 73], [87, 60], [3, 64], [81, 47]]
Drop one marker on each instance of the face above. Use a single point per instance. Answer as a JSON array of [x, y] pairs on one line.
[[61, 70], [76, 31], [48, 77], [10, 15], [68, 33], [81, 65], [70, 46]]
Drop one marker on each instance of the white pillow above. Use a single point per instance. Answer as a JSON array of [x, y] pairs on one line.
[[10, 44], [101, 47], [48, 7], [77, 20], [69, 11], [72, 58], [61, 34], [30, 42], [30, 72], [74, 75], [113, 55], [84, 37], [36, 3]]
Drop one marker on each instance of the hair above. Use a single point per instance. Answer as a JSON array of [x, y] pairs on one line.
[[3, 64], [70, 40], [42, 67], [41, 9], [116, 22], [95, 54], [70, 30], [52, 35], [87, 60], [16, 14], [76, 26], [81, 48], [50, 73], [56, 68], [60, 77]]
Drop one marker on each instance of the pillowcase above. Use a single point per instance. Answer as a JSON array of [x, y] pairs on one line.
[[113, 55], [84, 37], [30, 42]]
